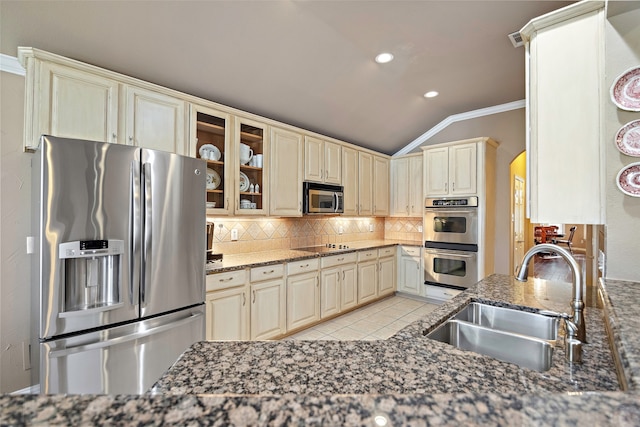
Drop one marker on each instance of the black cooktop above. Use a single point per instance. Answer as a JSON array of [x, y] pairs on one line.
[[329, 247]]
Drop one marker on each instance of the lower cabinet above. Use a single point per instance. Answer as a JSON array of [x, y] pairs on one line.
[[367, 276], [338, 285], [303, 300], [228, 314], [268, 307], [387, 273], [410, 273]]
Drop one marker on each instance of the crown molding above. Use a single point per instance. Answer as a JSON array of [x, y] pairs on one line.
[[11, 65], [496, 109]]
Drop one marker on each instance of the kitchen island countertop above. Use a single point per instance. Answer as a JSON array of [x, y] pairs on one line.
[[405, 379]]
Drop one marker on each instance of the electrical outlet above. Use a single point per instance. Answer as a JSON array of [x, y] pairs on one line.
[[420, 229], [340, 230], [234, 234], [371, 227]]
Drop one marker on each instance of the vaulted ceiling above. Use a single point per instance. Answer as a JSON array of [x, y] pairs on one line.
[[306, 63]]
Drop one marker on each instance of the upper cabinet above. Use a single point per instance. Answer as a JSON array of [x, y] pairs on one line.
[[155, 120], [450, 170], [286, 173], [406, 186], [380, 190], [350, 180], [251, 163], [210, 133], [322, 161], [565, 78], [365, 183], [67, 102]]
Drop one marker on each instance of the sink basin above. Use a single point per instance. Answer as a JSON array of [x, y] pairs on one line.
[[528, 352], [509, 320]]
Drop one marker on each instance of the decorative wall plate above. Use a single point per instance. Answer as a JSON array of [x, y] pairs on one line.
[[628, 139], [625, 92], [209, 152], [628, 180], [213, 179]]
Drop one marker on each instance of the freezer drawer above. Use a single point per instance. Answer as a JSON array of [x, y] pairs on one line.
[[127, 359]]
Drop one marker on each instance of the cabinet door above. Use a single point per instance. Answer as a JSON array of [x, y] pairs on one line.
[[251, 159], [268, 309], [462, 169], [303, 300], [155, 120], [210, 130], [386, 276], [332, 163], [380, 188], [400, 191], [228, 314], [75, 104], [330, 281], [416, 196], [313, 159], [350, 180], [365, 184], [367, 281], [349, 288], [436, 171], [410, 277], [286, 173]]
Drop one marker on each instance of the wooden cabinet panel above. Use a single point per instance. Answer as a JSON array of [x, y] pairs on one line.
[[386, 275], [416, 195], [380, 190], [286, 173], [365, 184], [349, 288], [410, 274], [350, 180], [313, 159], [367, 281], [268, 309], [330, 279], [303, 300], [462, 169], [227, 314], [436, 169]]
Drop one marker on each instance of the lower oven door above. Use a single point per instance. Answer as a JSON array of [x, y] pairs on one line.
[[448, 267]]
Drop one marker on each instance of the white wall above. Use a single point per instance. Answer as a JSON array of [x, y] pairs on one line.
[[623, 212], [15, 217], [508, 129]]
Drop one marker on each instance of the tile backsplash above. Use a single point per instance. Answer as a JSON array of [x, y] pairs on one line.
[[263, 234]]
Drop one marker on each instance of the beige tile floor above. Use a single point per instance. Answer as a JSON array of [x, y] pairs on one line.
[[372, 322]]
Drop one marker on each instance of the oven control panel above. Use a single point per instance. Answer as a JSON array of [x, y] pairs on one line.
[[460, 202]]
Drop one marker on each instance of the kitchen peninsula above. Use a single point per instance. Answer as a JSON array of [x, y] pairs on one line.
[[405, 379]]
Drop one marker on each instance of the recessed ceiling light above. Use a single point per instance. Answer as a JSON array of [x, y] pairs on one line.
[[383, 58], [431, 94]]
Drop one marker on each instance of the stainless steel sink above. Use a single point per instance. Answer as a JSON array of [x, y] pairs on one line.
[[509, 335], [509, 320], [528, 352]]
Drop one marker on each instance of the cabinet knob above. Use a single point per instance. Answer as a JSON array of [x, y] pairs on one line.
[[244, 299], [453, 186], [254, 296], [114, 137]]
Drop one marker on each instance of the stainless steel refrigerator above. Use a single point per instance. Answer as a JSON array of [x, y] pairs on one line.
[[118, 273]]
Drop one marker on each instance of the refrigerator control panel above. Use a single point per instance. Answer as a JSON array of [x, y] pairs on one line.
[[90, 248]]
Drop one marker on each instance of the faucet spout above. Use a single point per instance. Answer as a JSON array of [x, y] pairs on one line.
[[577, 303]]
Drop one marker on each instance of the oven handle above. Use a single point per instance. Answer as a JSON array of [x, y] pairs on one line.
[[452, 211], [451, 254]]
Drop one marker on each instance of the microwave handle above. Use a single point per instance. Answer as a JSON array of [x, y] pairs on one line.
[[335, 202]]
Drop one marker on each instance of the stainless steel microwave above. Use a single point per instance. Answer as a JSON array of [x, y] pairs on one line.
[[322, 198]]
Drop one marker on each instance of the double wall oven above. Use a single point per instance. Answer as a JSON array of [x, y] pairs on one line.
[[451, 242]]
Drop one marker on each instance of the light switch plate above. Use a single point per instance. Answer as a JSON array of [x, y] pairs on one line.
[[234, 234]]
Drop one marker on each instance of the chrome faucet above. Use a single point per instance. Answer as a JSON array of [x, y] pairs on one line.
[[577, 304]]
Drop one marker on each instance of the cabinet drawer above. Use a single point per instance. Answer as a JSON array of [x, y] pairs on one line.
[[334, 260], [267, 272], [413, 251], [229, 279], [390, 251], [303, 266], [437, 292], [341, 259], [367, 255]]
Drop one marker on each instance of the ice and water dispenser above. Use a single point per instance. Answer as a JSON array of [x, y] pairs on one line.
[[93, 273]]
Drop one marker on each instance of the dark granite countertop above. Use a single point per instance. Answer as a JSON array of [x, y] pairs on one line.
[[407, 379]]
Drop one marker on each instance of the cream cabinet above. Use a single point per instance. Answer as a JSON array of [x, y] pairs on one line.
[[450, 170], [210, 140], [322, 161], [227, 306], [367, 276], [154, 120], [365, 184], [410, 272], [380, 190], [268, 302], [251, 140], [303, 293], [350, 180], [286, 173], [565, 149], [338, 285], [67, 102], [386, 271], [406, 186]]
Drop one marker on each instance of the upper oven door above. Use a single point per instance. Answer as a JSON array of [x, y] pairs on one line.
[[451, 225]]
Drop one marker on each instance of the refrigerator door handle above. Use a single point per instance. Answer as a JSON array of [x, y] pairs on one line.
[[147, 242], [134, 228], [122, 339]]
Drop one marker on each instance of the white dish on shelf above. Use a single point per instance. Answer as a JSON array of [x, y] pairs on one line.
[[628, 139], [211, 205], [625, 91], [213, 179], [244, 182], [210, 152], [628, 180]]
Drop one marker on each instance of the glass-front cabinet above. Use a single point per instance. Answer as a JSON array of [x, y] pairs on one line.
[[211, 141], [251, 149]]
